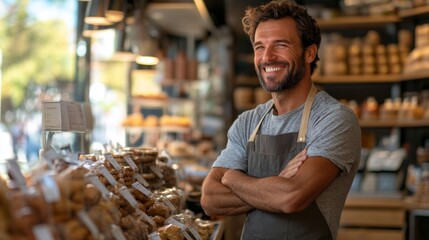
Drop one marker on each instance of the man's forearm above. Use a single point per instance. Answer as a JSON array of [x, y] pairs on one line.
[[256, 192], [219, 200]]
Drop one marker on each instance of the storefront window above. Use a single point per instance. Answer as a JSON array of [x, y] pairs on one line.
[[37, 62]]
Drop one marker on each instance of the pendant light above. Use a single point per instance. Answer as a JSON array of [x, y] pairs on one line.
[[123, 47], [95, 13], [115, 11], [145, 42], [89, 30]]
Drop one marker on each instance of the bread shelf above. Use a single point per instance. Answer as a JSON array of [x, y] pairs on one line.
[[356, 79], [394, 123], [162, 129], [392, 78], [357, 21], [414, 12], [159, 103]]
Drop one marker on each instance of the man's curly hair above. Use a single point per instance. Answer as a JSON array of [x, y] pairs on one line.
[[309, 31]]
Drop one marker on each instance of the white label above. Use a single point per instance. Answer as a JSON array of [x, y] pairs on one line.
[[142, 189], [154, 236], [42, 232], [50, 189], [117, 233], [145, 217], [49, 154], [131, 163], [83, 216], [15, 172], [76, 117], [141, 180], [157, 171], [92, 178], [127, 195], [186, 234], [113, 161], [175, 222], [169, 205], [72, 158], [51, 114], [194, 233], [107, 175]]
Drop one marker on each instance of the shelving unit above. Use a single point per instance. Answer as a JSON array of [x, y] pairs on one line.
[[377, 215]]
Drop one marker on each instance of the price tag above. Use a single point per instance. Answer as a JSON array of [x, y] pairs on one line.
[[142, 189], [117, 233], [186, 234], [107, 175], [127, 195], [157, 171], [173, 221], [154, 236], [131, 163], [112, 161], [16, 175], [169, 205], [72, 158], [146, 218], [141, 180], [92, 178], [42, 232], [83, 216], [50, 189], [194, 233]]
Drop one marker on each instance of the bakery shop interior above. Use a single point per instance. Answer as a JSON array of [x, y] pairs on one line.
[[114, 112]]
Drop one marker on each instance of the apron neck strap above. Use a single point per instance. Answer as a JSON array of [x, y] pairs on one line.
[[306, 114], [304, 119], [255, 131]]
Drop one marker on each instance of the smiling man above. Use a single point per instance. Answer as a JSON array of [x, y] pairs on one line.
[[289, 163]]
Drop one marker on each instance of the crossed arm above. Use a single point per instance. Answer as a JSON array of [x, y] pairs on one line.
[[232, 192]]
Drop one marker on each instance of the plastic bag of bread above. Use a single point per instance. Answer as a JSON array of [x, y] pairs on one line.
[[4, 210]]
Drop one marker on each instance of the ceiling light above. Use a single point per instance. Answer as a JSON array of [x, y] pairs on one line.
[[95, 13], [115, 10]]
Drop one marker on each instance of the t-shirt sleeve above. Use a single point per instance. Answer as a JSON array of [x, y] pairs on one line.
[[234, 154], [335, 135]]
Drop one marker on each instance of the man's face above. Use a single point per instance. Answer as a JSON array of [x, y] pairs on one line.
[[279, 57]]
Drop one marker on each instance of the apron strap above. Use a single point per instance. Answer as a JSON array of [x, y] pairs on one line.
[[255, 131], [306, 114]]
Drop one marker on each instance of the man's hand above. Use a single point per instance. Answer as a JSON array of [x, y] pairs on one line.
[[293, 165]]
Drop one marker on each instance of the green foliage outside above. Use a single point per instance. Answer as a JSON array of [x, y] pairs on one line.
[[36, 52]]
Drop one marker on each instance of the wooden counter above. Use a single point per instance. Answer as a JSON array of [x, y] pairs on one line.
[[373, 217]]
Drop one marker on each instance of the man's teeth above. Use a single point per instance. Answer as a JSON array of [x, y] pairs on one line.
[[272, 69]]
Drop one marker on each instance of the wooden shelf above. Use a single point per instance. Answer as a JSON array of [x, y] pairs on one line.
[[414, 12], [414, 76], [357, 22], [162, 129], [394, 123], [356, 79], [392, 78], [159, 103]]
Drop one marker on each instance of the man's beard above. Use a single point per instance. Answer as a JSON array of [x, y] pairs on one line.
[[290, 80]]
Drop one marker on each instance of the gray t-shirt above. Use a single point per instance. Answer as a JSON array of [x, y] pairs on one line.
[[333, 132]]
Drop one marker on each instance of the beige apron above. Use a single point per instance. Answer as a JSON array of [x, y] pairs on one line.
[[267, 156]]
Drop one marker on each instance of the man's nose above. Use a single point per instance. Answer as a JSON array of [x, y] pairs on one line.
[[269, 54]]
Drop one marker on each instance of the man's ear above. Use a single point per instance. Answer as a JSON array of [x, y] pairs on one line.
[[310, 53]]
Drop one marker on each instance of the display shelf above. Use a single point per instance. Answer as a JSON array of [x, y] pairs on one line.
[[414, 76], [414, 12], [162, 129], [394, 123], [356, 79], [357, 21], [390, 78], [159, 103]]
